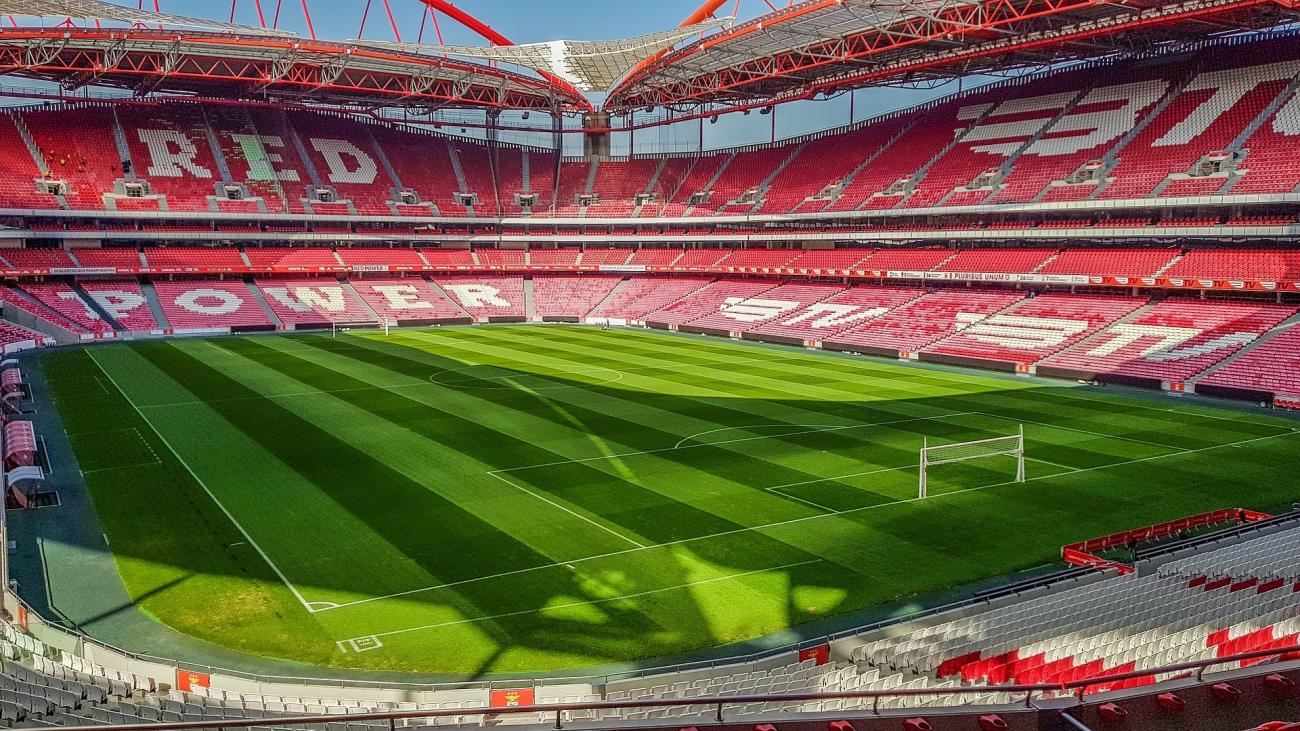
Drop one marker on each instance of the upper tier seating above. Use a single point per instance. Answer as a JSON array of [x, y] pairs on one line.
[[485, 296], [1272, 366], [699, 258], [172, 152], [1110, 262], [298, 259], [405, 300], [645, 294], [1035, 328], [449, 258], [397, 259], [502, 258], [313, 301], [125, 259], [563, 296], [1242, 264], [1006, 261], [924, 321], [655, 257], [185, 258], [707, 301], [557, 258], [345, 158], [124, 301], [1231, 88], [209, 304], [1220, 122], [1173, 340]]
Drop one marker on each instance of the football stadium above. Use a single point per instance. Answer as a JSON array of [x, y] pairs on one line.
[[802, 365]]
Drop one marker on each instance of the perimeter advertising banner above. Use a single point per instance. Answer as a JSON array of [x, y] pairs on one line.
[[187, 680], [511, 697]]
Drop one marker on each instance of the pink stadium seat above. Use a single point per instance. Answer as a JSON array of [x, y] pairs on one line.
[[65, 301], [742, 313], [924, 321], [1272, 366], [645, 294], [708, 301], [1173, 340], [313, 301], [124, 301], [485, 296], [654, 257], [759, 260], [839, 312], [1035, 328], [406, 300], [209, 304], [502, 258], [570, 296]]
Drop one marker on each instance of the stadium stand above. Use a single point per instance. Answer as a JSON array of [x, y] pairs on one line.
[[642, 295], [486, 296], [124, 301], [408, 300], [922, 321], [65, 300], [704, 303], [306, 302], [1035, 328], [190, 258], [208, 305], [1110, 262], [1271, 367], [836, 313], [1171, 341], [557, 296]]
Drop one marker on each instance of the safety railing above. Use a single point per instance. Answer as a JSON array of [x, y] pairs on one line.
[[1195, 670]]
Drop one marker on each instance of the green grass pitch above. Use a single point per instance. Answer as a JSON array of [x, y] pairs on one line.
[[524, 498]]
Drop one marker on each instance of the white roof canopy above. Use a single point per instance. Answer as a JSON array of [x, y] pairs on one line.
[[588, 65], [100, 10]]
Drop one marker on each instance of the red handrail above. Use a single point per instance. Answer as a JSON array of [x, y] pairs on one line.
[[719, 701]]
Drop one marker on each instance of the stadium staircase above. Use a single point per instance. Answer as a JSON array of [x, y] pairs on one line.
[[765, 187], [1284, 329], [1009, 164], [1112, 156], [94, 305], [265, 306], [447, 296], [847, 185], [352, 292], [919, 176], [1264, 116], [530, 303], [155, 307], [710, 183], [123, 148], [459, 172]]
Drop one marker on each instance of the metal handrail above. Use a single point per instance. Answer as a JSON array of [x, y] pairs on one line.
[[720, 702]]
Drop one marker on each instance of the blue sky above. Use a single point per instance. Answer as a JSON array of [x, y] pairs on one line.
[[541, 20]]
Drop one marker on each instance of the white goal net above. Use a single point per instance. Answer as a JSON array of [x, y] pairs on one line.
[[940, 454]]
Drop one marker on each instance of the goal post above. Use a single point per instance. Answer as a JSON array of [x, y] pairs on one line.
[[940, 454]]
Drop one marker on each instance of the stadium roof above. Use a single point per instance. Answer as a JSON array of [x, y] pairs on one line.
[[588, 65], [827, 45], [98, 10], [268, 66]]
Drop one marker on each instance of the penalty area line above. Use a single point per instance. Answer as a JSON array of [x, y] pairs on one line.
[[198, 480], [568, 510], [570, 605], [804, 519]]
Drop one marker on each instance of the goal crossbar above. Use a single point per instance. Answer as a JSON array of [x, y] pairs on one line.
[[940, 454]]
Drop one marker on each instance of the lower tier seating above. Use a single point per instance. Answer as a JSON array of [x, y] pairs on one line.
[[208, 304], [1272, 367], [1173, 340], [409, 299], [924, 321], [642, 295], [486, 296], [707, 301], [561, 296], [313, 301], [124, 301]]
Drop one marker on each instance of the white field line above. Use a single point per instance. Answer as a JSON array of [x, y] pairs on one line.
[[734, 441], [575, 514], [1077, 430], [570, 605], [247, 536], [793, 521], [819, 506]]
